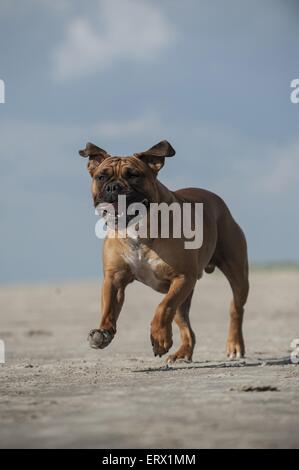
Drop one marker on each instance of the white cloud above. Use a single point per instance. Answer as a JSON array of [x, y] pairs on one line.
[[259, 167], [233, 163], [123, 30], [263, 168]]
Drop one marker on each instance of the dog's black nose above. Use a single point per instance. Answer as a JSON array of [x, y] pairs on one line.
[[112, 190]]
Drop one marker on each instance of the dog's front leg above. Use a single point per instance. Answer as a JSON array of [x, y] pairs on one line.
[[161, 329], [113, 294]]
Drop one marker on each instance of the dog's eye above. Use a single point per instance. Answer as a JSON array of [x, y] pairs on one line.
[[134, 175], [101, 177]]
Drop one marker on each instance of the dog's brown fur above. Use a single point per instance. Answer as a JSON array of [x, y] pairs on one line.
[[165, 264]]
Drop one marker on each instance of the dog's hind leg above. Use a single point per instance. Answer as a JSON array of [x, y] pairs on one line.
[[235, 346], [181, 318], [235, 267]]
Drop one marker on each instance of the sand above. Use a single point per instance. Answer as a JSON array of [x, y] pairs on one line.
[[57, 392]]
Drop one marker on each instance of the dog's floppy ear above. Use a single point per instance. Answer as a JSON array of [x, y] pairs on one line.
[[155, 156], [96, 156]]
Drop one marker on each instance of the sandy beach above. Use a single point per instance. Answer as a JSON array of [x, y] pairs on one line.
[[57, 392]]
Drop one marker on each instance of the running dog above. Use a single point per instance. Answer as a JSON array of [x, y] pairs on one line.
[[164, 263]]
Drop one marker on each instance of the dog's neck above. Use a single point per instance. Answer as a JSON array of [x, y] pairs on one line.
[[163, 194]]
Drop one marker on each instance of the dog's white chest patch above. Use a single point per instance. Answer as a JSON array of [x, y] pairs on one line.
[[142, 266]]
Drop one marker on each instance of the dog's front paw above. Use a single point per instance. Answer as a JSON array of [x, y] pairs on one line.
[[99, 339], [161, 339], [184, 353]]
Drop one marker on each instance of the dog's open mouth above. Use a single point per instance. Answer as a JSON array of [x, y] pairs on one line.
[[117, 214]]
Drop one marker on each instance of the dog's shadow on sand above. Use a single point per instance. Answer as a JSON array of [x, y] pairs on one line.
[[183, 365]]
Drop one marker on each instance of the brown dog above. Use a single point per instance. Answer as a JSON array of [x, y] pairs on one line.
[[164, 263]]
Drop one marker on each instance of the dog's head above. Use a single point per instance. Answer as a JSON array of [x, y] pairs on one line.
[[133, 176]]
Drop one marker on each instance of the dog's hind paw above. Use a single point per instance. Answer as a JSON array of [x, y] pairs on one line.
[[235, 356], [99, 339], [235, 349]]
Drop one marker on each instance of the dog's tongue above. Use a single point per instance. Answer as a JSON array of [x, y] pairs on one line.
[[106, 206], [110, 208]]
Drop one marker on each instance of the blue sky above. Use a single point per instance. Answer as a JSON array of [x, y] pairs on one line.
[[213, 78]]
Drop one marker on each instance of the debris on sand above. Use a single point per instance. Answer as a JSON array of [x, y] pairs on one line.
[[257, 388], [39, 333]]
